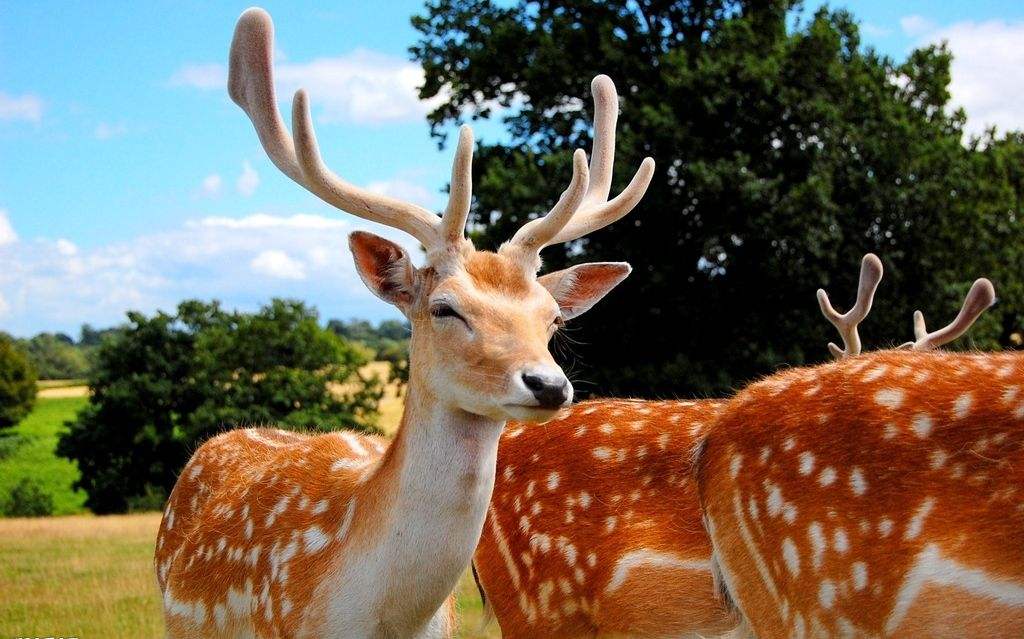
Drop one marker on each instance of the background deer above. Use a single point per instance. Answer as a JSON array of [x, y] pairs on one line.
[[272, 533], [876, 496], [595, 528]]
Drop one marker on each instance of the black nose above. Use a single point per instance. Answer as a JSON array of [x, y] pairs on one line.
[[551, 392]]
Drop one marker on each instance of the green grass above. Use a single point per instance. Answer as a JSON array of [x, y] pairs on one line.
[[88, 576], [35, 458]]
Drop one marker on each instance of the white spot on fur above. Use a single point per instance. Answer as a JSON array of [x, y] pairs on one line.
[[827, 594], [922, 425], [806, 462], [891, 398], [602, 452], [791, 556], [774, 500], [553, 479], [858, 484], [735, 465], [840, 541], [859, 573], [962, 405], [827, 476], [916, 523], [885, 527], [817, 536]]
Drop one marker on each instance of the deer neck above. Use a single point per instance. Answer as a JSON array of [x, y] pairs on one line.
[[436, 480]]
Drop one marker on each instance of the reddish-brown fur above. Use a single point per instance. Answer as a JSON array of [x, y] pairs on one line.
[[594, 527], [233, 539], [882, 495]]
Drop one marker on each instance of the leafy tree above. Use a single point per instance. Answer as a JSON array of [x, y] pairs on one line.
[[164, 384], [56, 356], [785, 151], [27, 499], [17, 383], [389, 341]]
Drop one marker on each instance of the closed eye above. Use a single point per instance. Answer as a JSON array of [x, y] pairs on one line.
[[558, 322], [444, 310]]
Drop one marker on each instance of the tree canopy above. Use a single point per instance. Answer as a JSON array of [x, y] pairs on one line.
[[17, 383], [164, 384], [786, 150]]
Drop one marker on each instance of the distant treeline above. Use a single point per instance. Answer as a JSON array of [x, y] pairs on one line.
[[61, 356]]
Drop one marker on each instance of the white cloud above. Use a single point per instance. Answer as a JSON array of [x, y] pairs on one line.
[[27, 108], [211, 185], [361, 87], [405, 190], [987, 71], [274, 263], [66, 248], [248, 180], [201, 76], [54, 285], [915, 25], [7, 234], [106, 130], [875, 31]]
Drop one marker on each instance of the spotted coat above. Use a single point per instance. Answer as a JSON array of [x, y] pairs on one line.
[[594, 528], [879, 496]]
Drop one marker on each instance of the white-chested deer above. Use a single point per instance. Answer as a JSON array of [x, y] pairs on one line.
[[595, 527], [272, 534], [878, 496]]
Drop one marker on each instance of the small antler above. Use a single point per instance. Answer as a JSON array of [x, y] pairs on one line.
[[585, 207], [251, 86], [981, 296], [870, 276]]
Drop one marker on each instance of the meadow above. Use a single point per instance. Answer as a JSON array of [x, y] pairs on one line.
[[86, 576]]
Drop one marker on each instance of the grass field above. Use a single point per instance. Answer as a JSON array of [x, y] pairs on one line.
[[90, 576], [34, 456]]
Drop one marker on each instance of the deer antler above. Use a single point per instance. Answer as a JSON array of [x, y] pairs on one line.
[[585, 207], [981, 296], [251, 86], [870, 276]]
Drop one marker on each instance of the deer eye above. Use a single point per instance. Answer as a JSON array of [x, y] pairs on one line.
[[444, 310]]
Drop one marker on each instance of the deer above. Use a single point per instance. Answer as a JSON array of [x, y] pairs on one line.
[[595, 526], [876, 496], [272, 533]]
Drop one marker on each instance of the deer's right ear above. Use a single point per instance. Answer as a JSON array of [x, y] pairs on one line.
[[384, 267]]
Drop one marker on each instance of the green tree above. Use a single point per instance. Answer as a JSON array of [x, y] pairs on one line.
[[17, 383], [164, 384], [56, 356], [785, 151]]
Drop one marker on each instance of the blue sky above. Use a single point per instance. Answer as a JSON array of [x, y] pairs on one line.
[[128, 179]]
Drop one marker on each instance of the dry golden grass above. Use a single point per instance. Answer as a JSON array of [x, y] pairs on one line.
[[90, 576]]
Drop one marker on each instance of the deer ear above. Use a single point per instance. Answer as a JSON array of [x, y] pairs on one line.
[[579, 287], [384, 267]]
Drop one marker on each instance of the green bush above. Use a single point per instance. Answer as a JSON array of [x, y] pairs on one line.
[[17, 383], [27, 499], [164, 384], [55, 356]]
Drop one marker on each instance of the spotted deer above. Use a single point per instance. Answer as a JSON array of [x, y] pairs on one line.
[[878, 496], [595, 529], [269, 533]]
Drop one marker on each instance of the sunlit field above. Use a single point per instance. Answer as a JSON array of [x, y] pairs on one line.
[[90, 576]]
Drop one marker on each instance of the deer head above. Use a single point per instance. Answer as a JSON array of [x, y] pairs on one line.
[[481, 320]]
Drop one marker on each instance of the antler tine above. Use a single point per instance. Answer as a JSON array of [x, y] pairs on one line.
[[846, 324], [251, 86], [414, 220], [594, 210], [597, 211], [536, 234], [981, 296], [460, 196]]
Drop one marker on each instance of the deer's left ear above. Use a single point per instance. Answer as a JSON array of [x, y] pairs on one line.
[[579, 287]]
